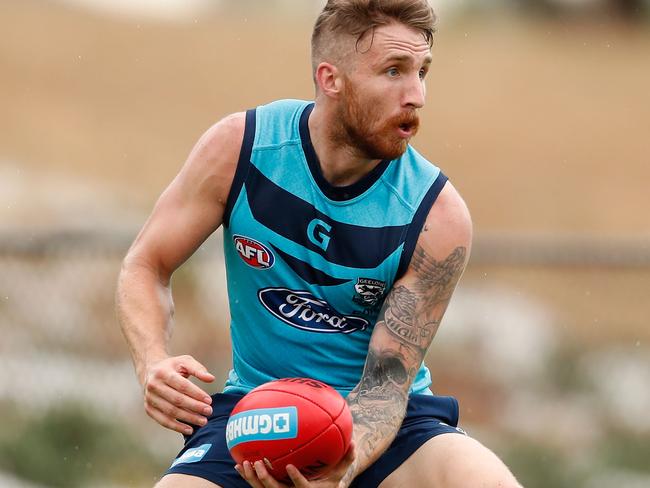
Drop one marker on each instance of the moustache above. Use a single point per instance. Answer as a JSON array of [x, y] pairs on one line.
[[410, 120]]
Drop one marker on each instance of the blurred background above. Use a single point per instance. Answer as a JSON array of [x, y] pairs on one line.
[[538, 110]]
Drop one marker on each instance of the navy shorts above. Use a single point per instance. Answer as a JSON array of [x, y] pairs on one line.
[[205, 453]]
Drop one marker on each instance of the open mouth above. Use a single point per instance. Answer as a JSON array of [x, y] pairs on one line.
[[406, 129]]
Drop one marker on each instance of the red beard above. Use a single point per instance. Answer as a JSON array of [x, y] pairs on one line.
[[361, 128]]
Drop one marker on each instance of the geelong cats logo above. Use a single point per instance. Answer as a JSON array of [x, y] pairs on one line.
[[369, 292], [302, 310]]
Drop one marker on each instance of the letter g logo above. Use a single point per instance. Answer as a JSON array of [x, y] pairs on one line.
[[318, 233]]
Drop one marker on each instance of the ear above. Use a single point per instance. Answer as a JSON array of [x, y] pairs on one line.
[[329, 80]]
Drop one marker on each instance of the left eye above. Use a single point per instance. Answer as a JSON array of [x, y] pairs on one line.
[[423, 73], [393, 72]]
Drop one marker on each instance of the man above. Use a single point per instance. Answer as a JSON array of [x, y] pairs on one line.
[[343, 247]]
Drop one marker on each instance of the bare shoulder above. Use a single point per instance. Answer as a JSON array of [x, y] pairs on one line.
[[443, 246], [212, 162], [448, 225], [192, 206], [222, 139]]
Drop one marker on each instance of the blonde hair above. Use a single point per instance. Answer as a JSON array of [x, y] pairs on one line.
[[356, 18]]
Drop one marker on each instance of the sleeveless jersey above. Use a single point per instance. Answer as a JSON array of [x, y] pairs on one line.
[[309, 264]]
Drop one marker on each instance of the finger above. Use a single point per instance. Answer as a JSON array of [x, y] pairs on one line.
[[190, 366], [250, 476], [348, 458], [351, 455], [175, 412], [298, 480], [168, 422], [344, 465], [186, 387], [240, 469], [179, 399], [265, 477]]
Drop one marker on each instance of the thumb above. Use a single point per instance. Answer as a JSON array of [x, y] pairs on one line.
[[350, 454], [192, 367]]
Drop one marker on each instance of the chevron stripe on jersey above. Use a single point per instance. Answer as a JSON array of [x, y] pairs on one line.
[[309, 264]]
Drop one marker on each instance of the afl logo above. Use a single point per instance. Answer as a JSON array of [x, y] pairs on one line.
[[254, 253]]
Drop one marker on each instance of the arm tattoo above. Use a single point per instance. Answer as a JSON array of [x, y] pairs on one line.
[[437, 280], [379, 400], [399, 318], [407, 324], [414, 315]]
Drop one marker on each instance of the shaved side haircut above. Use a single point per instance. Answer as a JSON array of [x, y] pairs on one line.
[[342, 25]]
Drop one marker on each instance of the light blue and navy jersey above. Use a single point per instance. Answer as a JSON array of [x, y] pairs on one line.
[[309, 264]]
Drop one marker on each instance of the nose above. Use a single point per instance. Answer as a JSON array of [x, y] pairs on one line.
[[414, 92]]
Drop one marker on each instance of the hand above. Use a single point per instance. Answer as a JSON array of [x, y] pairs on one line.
[[258, 476], [171, 399]]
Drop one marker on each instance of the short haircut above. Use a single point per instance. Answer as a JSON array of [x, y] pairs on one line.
[[355, 18]]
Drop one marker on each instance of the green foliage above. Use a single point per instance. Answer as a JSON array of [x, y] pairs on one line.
[[625, 451], [68, 446], [536, 466], [563, 370]]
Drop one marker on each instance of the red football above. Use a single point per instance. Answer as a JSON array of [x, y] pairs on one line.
[[296, 421]]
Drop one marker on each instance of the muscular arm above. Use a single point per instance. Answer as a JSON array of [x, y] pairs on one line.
[[406, 326], [187, 212]]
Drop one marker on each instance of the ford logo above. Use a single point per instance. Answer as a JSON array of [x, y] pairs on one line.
[[302, 310]]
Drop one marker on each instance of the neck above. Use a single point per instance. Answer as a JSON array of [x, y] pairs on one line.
[[341, 164]]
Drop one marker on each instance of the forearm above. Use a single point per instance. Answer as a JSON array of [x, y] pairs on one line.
[[378, 405], [406, 326], [144, 309]]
